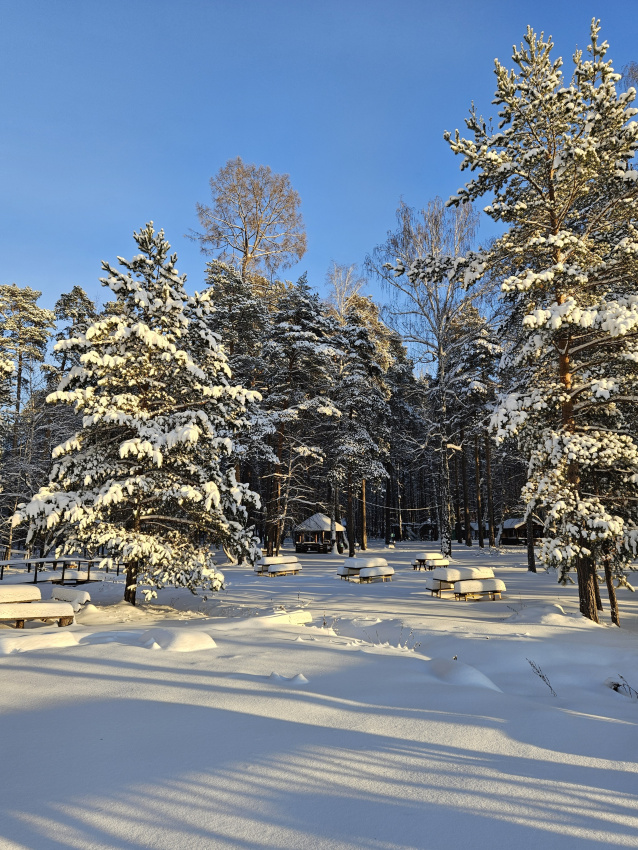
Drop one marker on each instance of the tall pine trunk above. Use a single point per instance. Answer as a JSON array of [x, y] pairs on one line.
[[611, 592], [466, 495], [490, 492], [531, 557], [363, 539], [458, 533], [479, 506], [388, 507], [351, 550], [130, 590], [586, 590]]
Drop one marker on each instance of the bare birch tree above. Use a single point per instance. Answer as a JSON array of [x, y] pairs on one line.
[[254, 219]]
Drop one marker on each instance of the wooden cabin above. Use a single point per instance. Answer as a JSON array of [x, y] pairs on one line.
[[514, 531]]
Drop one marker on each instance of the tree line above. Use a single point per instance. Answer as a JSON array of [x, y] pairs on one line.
[[497, 379]]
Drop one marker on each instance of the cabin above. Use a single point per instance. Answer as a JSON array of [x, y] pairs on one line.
[[514, 531], [313, 534]]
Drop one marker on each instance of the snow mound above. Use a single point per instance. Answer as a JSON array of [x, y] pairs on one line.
[[291, 617], [122, 612], [299, 679], [27, 643], [548, 614], [177, 640], [456, 673]]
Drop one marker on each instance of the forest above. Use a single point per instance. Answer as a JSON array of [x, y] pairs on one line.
[[495, 381]]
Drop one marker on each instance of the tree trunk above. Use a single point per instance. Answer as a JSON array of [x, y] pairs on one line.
[[333, 522], [531, 557], [351, 550], [458, 533], [466, 497], [599, 601], [446, 530], [490, 495], [611, 591], [586, 589], [479, 506], [363, 540], [131, 582], [388, 507]]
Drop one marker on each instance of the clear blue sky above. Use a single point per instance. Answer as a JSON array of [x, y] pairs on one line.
[[116, 112]]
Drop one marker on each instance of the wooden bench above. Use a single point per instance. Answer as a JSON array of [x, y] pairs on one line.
[[19, 612], [263, 565], [368, 574], [19, 593], [287, 569], [477, 588]]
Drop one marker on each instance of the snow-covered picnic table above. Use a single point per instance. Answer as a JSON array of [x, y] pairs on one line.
[[476, 588], [365, 569], [45, 568], [18, 604], [278, 565], [429, 560], [444, 578]]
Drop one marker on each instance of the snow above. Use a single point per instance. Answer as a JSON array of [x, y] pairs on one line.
[[311, 712]]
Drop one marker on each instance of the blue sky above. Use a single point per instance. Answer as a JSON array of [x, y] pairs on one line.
[[116, 113]]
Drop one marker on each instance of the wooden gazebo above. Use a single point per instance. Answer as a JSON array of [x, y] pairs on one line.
[[313, 534]]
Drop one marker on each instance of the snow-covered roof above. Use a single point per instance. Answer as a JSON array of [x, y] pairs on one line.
[[318, 522], [513, 522]]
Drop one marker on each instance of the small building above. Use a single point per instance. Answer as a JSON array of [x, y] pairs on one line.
[[313, 534], [514, 531]]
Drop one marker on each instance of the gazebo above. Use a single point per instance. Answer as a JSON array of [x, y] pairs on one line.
[[313, 534]]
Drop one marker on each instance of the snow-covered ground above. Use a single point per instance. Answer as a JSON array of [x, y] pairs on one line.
[[309, 712]]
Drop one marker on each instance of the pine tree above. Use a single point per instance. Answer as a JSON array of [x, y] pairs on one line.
[[358, 442], [149, 478], [560, 170], [299, 377], [25, 329], [74, 311]]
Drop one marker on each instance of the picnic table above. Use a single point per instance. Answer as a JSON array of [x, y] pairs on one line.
[[428, 561], [445, 578], [42, 564], [351, 567]]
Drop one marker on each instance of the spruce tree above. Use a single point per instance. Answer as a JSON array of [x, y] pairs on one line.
[[149, 478]]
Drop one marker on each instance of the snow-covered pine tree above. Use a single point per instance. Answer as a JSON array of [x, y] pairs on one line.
[[300, 356], [241, 320], [358, 442], [149, 479], [25, 328], [74, 311], [560, 171]]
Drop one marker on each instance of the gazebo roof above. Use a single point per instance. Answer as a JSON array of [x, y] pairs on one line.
[[318, 522]]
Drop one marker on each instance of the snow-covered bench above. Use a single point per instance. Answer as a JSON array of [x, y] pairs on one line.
[[290, 568], [19, 593], [367, 574], [263, 564], [19, 612], [444, 578], [75, 598], [473, 588], [352, 567]]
